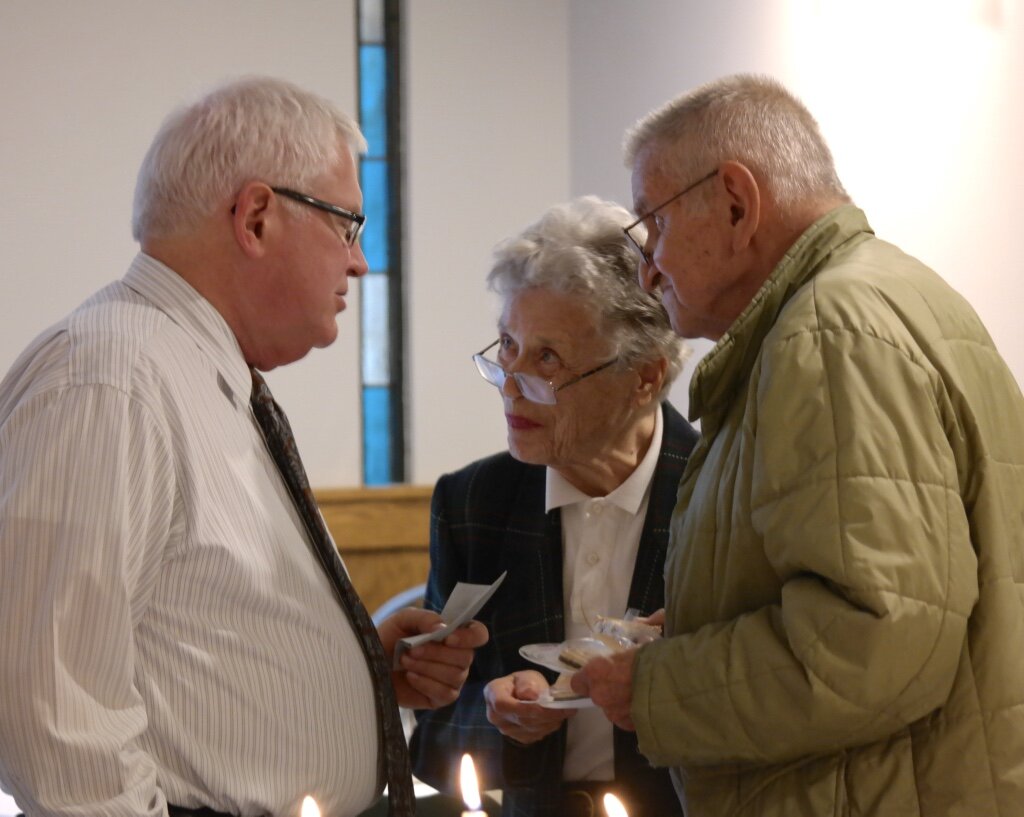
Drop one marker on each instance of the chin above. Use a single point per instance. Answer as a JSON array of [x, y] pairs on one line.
[[527, 454]]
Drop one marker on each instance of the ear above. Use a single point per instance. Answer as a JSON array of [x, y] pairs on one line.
[[250, 217], [744, 199], [651, 375]]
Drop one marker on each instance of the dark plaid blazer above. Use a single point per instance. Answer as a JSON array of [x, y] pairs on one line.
[[489, 518]]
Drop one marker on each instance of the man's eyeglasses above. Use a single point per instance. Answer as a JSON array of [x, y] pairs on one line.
[[630, 227], [533, 387], [353, 221]]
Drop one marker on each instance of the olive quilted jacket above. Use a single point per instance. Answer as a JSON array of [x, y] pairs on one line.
[[845, 580]]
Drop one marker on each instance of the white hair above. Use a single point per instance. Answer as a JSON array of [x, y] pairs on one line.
[[579, 248], [256, 128], [747, 118]]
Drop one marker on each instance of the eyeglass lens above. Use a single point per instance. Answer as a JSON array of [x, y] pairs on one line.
[[532, 387]]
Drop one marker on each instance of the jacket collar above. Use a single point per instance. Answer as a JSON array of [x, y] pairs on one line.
[[726, 367]]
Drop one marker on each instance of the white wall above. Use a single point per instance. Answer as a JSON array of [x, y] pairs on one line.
[[85, 86], [922, 102], [512, 105], [487, 140]]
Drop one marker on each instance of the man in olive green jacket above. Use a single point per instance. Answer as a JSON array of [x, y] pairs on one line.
[[845, 580]]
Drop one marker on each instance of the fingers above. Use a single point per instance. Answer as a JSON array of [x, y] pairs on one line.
[[655, 619], [469, 636], [436, 672], [521, 720], [528, 685], [608, 683]]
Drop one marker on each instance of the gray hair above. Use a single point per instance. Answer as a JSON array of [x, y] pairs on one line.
[[747, 118], [579, 248], [256, 128]]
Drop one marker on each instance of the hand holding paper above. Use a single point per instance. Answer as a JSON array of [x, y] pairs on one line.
[[432, 652], [465, 601]]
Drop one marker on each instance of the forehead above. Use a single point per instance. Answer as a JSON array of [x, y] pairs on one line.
[[649, 181], [540, 315], [343, 181]]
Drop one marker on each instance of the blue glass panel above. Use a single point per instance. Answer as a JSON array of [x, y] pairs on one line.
[[373, 178], [372, 96], [376, 435]]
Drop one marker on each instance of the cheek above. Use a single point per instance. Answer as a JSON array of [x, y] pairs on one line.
[[565, 433], [572, 433]]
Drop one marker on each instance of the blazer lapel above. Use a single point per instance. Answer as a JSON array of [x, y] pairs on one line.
[[647, 590], [536, 537]]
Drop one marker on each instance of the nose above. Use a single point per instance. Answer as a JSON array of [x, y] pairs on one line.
[[357, 265], [510, 388]]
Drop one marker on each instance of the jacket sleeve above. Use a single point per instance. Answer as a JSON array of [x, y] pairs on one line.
[[86, 493], [443, 735], [854, 506]]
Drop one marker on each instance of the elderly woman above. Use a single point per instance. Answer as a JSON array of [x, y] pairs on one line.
[[577, 513]]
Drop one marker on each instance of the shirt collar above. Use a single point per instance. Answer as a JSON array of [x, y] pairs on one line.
[[196, 316], [629, 496]]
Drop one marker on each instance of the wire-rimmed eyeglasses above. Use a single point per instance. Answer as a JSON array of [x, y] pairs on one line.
[[630, 227], [354, 221], [533, 387]]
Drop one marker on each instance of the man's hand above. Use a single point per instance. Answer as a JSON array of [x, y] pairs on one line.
[[433, 673], [655, 619], [510, 709], [608, 681]]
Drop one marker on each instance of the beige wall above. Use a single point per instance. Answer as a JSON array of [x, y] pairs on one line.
[[488, 141], [512, 105], [85, 86], [921, 101]]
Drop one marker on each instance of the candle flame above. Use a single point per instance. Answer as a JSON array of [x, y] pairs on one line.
[[613, 807], [309, 807], [470, 789]]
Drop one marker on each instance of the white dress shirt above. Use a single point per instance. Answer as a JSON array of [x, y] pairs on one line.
[[168, 634], [600, 538]]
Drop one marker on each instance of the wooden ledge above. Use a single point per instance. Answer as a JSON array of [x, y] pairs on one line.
[[383, 535]]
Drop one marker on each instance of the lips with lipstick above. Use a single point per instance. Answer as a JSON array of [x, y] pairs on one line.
[[520, 423]]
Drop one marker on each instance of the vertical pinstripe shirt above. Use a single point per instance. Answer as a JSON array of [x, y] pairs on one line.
[[167, 634]]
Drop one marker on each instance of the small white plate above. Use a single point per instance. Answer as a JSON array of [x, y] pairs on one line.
[[547, 654], [548, 702]]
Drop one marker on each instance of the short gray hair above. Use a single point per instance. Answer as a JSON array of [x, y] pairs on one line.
[[255, 128], [747, 118], [579, 248]]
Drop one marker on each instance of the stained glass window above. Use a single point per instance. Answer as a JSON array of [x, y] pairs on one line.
[[381, 310]]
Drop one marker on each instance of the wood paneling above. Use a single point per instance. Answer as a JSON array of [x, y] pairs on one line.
[[383, 534]]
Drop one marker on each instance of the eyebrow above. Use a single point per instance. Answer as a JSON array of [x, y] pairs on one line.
[[546, 342]]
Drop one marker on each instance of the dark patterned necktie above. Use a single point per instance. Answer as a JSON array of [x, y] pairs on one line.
[[394, 752]]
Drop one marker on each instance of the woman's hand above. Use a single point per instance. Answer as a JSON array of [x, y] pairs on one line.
[[511, 709]]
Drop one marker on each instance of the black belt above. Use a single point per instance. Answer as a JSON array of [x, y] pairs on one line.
[[178, 811]]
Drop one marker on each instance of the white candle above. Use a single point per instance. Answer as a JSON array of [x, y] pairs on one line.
[[613, 807], [309, 807], [470, 789]]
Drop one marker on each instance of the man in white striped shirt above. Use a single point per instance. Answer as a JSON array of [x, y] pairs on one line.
[[168, 635]]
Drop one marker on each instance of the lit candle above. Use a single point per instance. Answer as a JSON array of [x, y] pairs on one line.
[[309, 807], [470, 789], [614, 808]]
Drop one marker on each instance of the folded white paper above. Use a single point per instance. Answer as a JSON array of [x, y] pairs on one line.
[[465, 601]]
